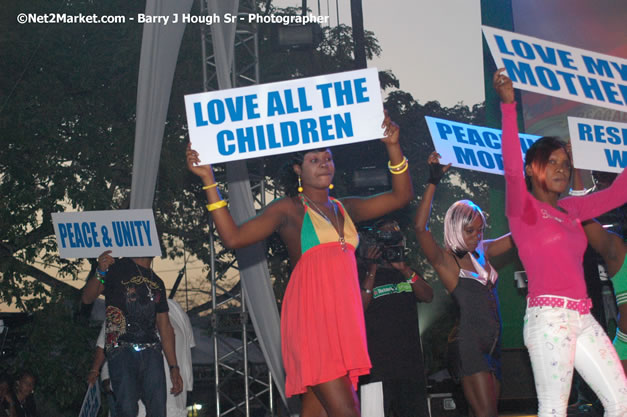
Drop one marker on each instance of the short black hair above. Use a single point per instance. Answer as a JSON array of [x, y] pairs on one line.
[[538, 155]]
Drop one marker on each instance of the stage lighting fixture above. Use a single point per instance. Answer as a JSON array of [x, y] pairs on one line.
[[370, 178], [296, 36]]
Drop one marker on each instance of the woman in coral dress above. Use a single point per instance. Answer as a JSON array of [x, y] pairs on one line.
[[322, 325]]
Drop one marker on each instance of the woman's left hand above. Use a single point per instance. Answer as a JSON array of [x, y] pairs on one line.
[[503, 86], [392, 131]]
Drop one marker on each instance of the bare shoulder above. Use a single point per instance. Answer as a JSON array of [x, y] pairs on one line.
[[287, 204], [283, 204], [289, 208], [349, 203], [448, 271], [448, 266]]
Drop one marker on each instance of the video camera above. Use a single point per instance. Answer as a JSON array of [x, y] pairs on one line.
[[390, 242]]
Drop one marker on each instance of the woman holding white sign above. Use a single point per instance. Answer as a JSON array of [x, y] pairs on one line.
[[559, 331], [464, 268], [322, 322]]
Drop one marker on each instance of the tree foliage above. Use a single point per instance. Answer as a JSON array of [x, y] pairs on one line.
[[67, 122], [67, 126], [57, 348]]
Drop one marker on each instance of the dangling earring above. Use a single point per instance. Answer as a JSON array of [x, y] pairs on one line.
[[300, 186], [331, 186]]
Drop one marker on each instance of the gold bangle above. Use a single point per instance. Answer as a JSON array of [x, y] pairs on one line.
[[390, 166], [401, 171], [399, 168], [216, 205], [206, 187]]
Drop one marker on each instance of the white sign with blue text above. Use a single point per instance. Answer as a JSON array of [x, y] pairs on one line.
[[128, 233], [558, 70], [471, 147], [598, 145], [287, 116], [91, 402]]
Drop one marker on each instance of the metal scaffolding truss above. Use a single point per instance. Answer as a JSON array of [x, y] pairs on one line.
[[241, 387], [246, 59]]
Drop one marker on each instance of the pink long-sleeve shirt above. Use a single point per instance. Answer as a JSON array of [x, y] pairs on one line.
[[550, 242]]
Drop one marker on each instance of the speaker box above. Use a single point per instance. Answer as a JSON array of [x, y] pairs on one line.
[[518, 381], [442, 405]]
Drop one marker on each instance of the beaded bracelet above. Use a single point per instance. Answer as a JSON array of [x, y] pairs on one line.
[[101, 275]]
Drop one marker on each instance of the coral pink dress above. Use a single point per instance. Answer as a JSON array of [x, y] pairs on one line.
[[323, 335]]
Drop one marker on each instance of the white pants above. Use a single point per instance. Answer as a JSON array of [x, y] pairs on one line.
[[559, 339]]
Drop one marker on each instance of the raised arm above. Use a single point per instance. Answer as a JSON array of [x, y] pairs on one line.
[[597, 203], [608, 244], [498, 246], [232, 235], [402, 191], [516, 189], [95, 284], [434, 253]]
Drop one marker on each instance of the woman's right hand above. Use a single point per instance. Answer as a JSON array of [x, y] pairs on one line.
[[105, 260], [436, 170], [503, 86], [203, 171]]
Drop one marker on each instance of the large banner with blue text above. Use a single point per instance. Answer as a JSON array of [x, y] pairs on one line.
[[598, 145], [287, 116], [471, 147], [558, 70], [128, 233]]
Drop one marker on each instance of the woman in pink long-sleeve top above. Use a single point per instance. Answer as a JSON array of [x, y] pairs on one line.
[[559, 331]]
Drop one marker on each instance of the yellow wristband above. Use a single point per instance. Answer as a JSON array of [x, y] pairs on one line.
[[216, 205], [390, 166], [206, 187], [401, 171]]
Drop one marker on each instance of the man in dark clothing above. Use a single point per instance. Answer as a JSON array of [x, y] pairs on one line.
[[390, 290], [136, 308], [23, 398]]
